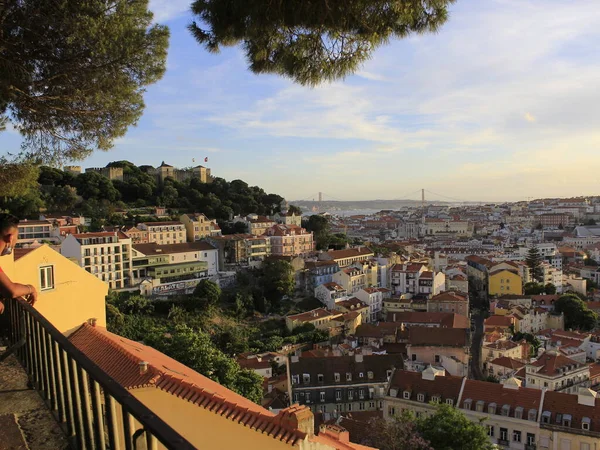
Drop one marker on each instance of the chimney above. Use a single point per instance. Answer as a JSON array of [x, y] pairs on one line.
[[294, 359], [143, 367], [336, 432], [297, 417], [358, 357], [92, 321]]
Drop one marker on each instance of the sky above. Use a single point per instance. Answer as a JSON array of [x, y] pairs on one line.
[[502, 104]]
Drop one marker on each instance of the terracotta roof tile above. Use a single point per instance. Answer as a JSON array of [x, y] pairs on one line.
[[442, 337], [560, 403], [120, 358], [445, 387]]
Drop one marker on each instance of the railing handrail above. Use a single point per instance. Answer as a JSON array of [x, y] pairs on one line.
[[149, 420]]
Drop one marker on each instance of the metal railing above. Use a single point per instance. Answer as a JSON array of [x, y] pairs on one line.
[[94, 410]]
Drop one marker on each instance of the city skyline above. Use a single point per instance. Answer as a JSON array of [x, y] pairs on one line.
[[500, 105]]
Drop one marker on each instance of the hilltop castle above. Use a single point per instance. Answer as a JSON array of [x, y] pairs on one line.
[[161, 172]]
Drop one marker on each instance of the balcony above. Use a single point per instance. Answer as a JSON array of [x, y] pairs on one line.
[[503, 443], [79, 405]]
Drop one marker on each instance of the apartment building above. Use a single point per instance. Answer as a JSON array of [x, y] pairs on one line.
[[330, 293], [446, 227], [290, 240], [414, 278], [554, 371], [374, 298], [191, 257], [451, 301], [334, 322], [164, 233], [347, 257], [137, 236], [447, 348], [505, 280], [198, 226], [351, 279], [31, 231], [428, 319], [516, 417], [319, 272], [288, 218], [107, 255], [336, 384], [258, 225], [241, 250]]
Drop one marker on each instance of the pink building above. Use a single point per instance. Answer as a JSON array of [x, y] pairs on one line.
[[290, 240]]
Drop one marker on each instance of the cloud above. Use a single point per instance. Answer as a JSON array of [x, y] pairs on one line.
[[529, 117], [165, 10]]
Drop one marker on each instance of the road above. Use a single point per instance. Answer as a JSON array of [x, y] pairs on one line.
[[475, 371]]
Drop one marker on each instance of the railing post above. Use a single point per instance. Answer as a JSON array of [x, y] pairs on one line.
[[36, 364], [66, 385], [128, 427], [98, 422], [86, 409], [43, 363], [58, 380], [112, 426], [47, 341], [76, 404]]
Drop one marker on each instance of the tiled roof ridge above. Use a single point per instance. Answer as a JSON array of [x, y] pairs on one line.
[[266, 424], [118, 348]]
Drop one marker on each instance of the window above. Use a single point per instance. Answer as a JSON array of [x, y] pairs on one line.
[[338, 395], [370, 375], [504, 434], [532, 415], [506, 410], [295, 397], [435, 399], [490, 430], [518, 412], [307, 397], [566, 420], [421, 397], [320, 378], [336, 376], [437, 358], [406, 395], [449, 401], [306, 378], [479, 405], [516, 436], [391, 411], [361, 393], [467, 404], [585, 423], [388, 373], [350, 395], [546, 416], [530, 439], [361, 406], [322, 396], [372, 405], [361, 375], [348, 376], [414, 357], [492, 408], [46, 278]]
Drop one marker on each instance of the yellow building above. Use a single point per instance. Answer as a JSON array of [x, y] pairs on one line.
[[205, 413], [351, 279], [505, 281], [68, 294], [198, 226]]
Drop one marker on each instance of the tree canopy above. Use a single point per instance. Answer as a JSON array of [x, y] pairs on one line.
[[533, 260], [311, 41], [399, 433], [577, 314], [73, 74], [449, 429]]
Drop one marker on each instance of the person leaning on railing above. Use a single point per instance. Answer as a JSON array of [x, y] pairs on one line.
[[8, 238]]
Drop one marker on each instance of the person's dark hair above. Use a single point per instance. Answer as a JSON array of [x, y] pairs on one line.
[[7, 221]]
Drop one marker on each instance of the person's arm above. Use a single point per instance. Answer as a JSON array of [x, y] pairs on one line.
[[14, 290]]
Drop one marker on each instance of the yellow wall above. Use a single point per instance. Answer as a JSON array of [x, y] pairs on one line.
[[513, 286], [204, 429], [77, 295]]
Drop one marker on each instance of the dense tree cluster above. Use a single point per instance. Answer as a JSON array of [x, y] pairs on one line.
[[94, 195], [577, 314]]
